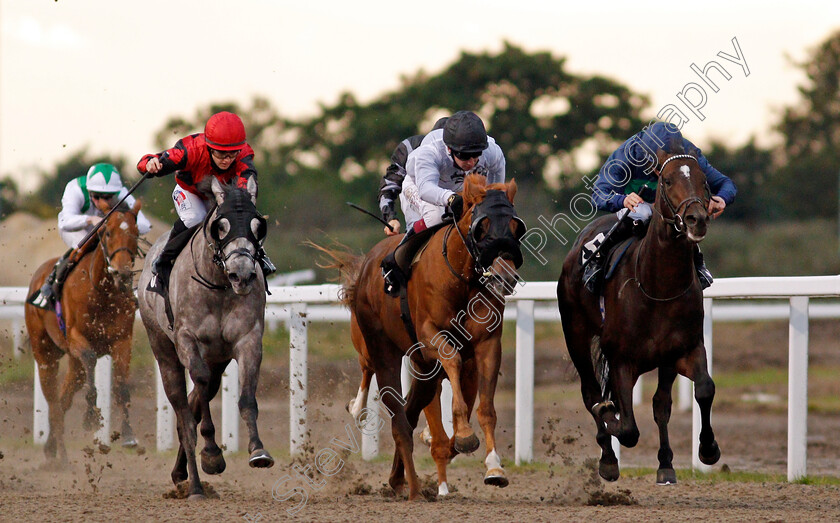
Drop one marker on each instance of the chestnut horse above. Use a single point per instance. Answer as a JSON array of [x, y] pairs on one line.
[[651, 317], [456, 301], [98, 310]]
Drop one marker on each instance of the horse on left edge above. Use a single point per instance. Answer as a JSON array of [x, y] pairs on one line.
[[97, 307]]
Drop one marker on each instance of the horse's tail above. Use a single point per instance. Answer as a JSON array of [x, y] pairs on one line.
[[348, 264]]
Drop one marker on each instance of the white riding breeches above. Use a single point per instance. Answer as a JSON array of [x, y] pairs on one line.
[[416, 208], [72, 238], [190, 208], [642, 212]]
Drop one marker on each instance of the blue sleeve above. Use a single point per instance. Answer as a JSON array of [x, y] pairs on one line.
[[719, 183], [608, 191], [605, 196]]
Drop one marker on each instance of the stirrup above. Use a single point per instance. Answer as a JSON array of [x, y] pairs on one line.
[[43, 298], [592, 275], [154, 285], [392, 288], [705, 277], [268, 268]]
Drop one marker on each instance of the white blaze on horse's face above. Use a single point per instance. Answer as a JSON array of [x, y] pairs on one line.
[[686, 171]]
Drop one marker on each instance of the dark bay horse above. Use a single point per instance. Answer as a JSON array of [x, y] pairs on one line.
[[218, 304], [98, 310], [653, 318], [456, 311]]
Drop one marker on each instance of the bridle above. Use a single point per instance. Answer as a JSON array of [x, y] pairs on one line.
[[108, 255], [479, 212], [217, 246], [678, 220]]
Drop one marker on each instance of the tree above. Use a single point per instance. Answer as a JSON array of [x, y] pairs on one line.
[[530, 104], [808, 177], [750, 168]]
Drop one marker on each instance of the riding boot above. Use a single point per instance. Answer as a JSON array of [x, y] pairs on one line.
[[162, 266], [594, 268], [51, 289], [703, 273], [267, 266], [391, 271]]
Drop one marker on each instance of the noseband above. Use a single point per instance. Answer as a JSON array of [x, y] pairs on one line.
[[678, 220]]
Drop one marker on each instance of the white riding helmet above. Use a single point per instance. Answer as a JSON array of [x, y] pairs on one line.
[[104, 178]]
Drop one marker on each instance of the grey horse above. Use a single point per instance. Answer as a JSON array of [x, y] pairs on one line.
[[218, 306]]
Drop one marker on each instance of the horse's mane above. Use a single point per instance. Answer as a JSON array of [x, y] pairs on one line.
[[348, 264]]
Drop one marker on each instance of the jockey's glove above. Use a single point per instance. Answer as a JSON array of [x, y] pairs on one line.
[[455, 204]]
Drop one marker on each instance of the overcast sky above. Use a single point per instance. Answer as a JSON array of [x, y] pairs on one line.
[[107, 74]]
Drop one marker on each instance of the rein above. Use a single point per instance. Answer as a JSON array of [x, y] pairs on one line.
[[211, 245], [446, 256], [678, 222], [201, 279], [642, 289], [108, 255]]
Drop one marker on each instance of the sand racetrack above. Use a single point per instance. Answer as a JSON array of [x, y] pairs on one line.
[[112, 484]]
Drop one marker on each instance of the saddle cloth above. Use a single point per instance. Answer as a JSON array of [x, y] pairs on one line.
[[614, 257]]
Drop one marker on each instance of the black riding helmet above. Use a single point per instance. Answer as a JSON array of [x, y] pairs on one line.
[[464, 133]]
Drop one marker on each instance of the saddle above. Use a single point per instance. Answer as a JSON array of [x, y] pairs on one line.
[[407, 254], [615, 255]]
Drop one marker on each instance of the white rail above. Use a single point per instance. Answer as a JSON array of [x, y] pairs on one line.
[[299, 305]]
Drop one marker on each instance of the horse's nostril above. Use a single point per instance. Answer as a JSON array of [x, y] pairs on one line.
[[234, 277]]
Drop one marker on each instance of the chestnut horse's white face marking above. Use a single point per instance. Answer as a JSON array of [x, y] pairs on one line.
[[685, 171]]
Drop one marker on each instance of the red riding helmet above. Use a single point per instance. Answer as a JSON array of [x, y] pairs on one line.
[[224, 132]]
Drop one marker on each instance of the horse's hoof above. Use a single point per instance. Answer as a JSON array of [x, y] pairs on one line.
[[666, 477], [467, 445], [261, 459], [197, 497], [608, 471], [443, 490], [711, 454], [212, 463], [496, 477], [178, 476], [129, 443], [426, 437]]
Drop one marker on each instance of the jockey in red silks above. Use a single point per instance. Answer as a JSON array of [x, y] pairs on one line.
[[220, 151]]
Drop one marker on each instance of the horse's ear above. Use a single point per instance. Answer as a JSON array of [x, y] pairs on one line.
[[218, 190], [510, 189], [473, 193], [252, 189], [136, 207]]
